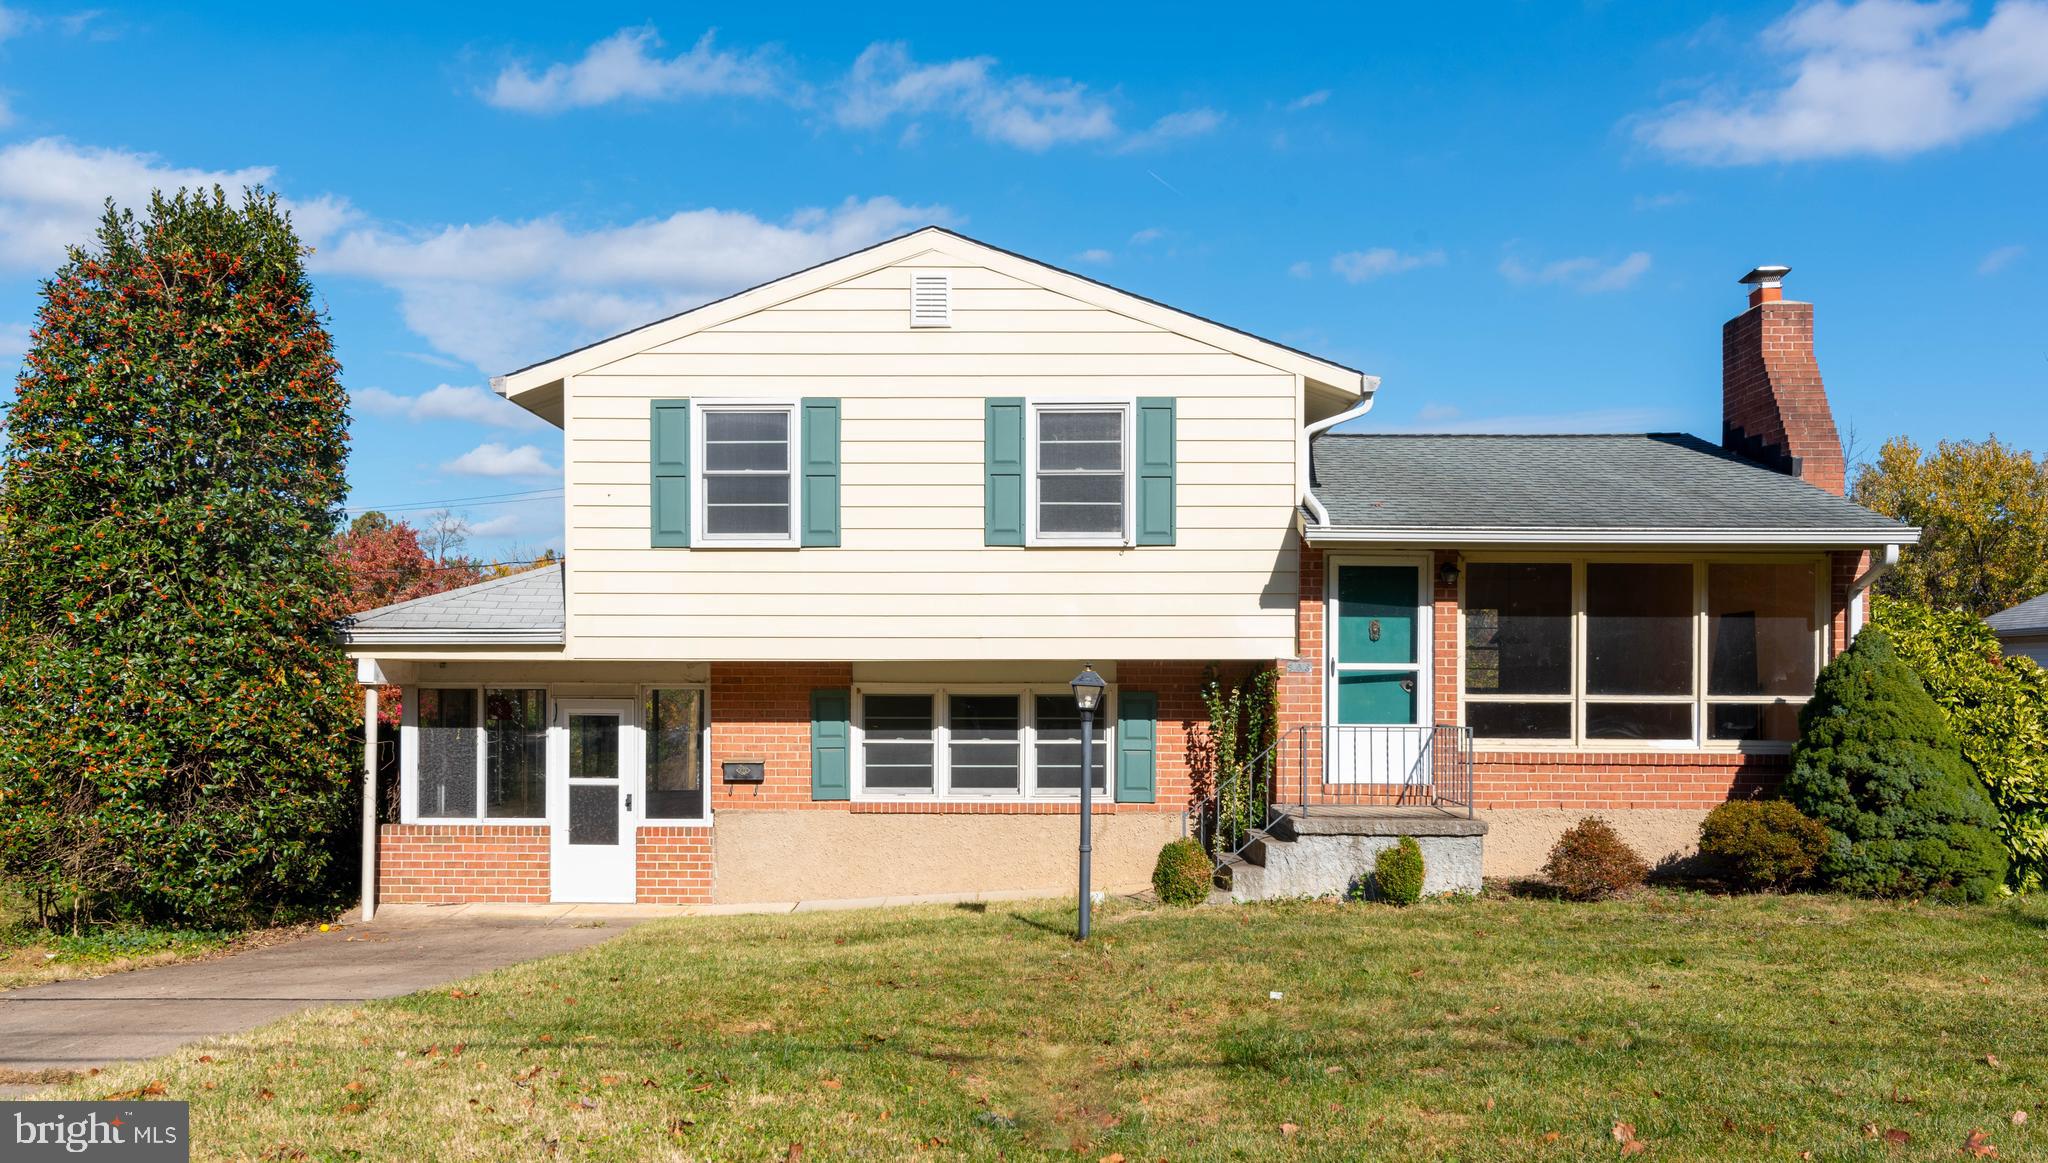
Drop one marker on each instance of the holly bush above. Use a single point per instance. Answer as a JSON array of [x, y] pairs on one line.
[[174, 709], [1998, 709], [1877, 764]]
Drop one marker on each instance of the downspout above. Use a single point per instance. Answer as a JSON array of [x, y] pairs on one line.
[[1858, 589], [1308, 499]]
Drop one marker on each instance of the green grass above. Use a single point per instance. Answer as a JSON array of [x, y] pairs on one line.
[[33, 956], [1750, 1028]]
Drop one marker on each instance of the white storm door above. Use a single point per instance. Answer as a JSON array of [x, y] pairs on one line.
[[594, 800]]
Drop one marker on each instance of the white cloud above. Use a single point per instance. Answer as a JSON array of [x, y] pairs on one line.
[[1094, 255], [1027, 112], [1358, 266], [1431, 413], [13, 22], [447, 402], [528, 519], [1662, 201], [1308, 100], [1149, 234], [52, 192], [501, 294], [621, 67], [1172, 128], [496, 460], [1887, 78], [1580, 274], [1999, 259], [13, 339], [6, 112], [1302, 270]]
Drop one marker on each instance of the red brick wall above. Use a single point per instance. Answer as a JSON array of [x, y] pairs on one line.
[[437, 864], [1771, 389], [673, 866]]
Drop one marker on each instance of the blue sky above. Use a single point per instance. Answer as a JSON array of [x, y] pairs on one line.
[[1522, 217]]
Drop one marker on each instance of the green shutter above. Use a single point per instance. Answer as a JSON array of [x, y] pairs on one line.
[[1137, 746], [1003, 472], [668, 434], [821, 472], [1155, 471], [831, 744]]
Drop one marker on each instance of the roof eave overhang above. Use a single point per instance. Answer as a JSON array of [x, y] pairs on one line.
[[418, 638], [1645, 535], [530, 386]]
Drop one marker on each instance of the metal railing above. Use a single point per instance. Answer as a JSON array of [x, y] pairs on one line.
[[1336, 766]]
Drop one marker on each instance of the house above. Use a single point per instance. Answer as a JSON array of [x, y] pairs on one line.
[[837, 544], [2023, 630]]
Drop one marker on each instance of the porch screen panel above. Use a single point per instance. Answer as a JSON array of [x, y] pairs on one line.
[[675, 754], [897, 752], [1518, 649], [1762, 648], [515, 754], [1640, 621], [447, 728]]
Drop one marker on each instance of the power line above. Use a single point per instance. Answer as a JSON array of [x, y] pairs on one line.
[[533, 493], [444, 505]]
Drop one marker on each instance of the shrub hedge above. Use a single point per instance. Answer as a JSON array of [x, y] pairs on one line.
[[1763, 844], [1183, 874], [1397, 872], [1591, 861]]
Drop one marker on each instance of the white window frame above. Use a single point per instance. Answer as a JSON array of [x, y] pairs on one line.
[[1700, 700], [700, 496], [1027, 738], [409, 755], [1033, 409], [1424, 630], [703, 819]]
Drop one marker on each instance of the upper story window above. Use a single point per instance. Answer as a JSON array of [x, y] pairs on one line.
[[1080, 471], [746, 474], [1655, 652]]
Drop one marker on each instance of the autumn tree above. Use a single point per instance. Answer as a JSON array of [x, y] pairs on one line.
[[174, 719], [1982, 507], [382, 562]]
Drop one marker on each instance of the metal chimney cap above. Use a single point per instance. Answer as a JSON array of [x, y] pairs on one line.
[[1766, 276]]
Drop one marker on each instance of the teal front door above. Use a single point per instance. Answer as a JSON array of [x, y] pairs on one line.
[[1379, 703]]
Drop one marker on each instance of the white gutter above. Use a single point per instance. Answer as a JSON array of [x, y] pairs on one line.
[[1582, 535], [1364, 405], [1859, 589], [372, 636]]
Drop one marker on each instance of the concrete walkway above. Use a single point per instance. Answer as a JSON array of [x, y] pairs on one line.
[[73, 1025]]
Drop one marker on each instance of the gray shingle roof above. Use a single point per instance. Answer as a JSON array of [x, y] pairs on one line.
[[523, 608], [2029, 617], [1602, 484]]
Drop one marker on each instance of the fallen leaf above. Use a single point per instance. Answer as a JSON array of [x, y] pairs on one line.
[[1978, 1146], [1288, 1129], [1623, 1132], [265, 1095], [1634, 1147], [1897, 1137], [547, 1037], [795, 1152], [1489, 1102], [610, 1080], [1551, 1136], [354, 1088], [1111, 1158], [527, 1075], [1991, 1060], [209, 1086], [354, 1108], [206, 1057], [2019, 1118], [1333, 1070], [677, 1126], [830, 1084]]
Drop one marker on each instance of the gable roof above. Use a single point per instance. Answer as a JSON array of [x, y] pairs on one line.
[[523, 608], [2029, 617], [539, 382], [1647, 488]]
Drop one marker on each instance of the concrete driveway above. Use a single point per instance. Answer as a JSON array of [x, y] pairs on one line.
[[73, 1025]]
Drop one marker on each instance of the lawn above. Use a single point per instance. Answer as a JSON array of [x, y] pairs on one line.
[[30, 955], [1711, 1028]]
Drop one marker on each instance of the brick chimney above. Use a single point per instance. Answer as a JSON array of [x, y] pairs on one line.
[[1773, 408]]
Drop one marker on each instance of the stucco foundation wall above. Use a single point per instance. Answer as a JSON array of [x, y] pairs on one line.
[[813, 855], [1518, 840]]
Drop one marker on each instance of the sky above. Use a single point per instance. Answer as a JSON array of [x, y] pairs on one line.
[[1521, 216]]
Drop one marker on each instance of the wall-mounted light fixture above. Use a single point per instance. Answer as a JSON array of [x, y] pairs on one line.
[[1447, 574]]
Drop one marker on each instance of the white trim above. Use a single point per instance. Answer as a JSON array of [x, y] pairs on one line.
[[700, 496], [455, 638], [640, 697], [409, 755], [1424, 632], [606, 873], [1580, 535], [1033, 409], [1317, 513], [1027, 742], [930, 239]]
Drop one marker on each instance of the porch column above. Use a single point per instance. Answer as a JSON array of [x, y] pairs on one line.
[[369, 803]]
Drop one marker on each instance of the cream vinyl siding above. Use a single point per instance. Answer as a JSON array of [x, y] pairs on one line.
[[912, 579]]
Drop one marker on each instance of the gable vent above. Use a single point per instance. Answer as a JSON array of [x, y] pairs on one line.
[[931, 300]]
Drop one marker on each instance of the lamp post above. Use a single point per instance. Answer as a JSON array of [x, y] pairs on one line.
[[1088, 687]]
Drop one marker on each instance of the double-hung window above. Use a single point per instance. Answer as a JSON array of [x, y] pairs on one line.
[[478, 753], [746, 474], [975, 743], [1659, 653], [1080, 473]]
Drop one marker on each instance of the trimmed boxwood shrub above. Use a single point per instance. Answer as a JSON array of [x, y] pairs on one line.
[[1591, 861], [1184, 874], [1876, 763], [1397, 873], [1763, 844]]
